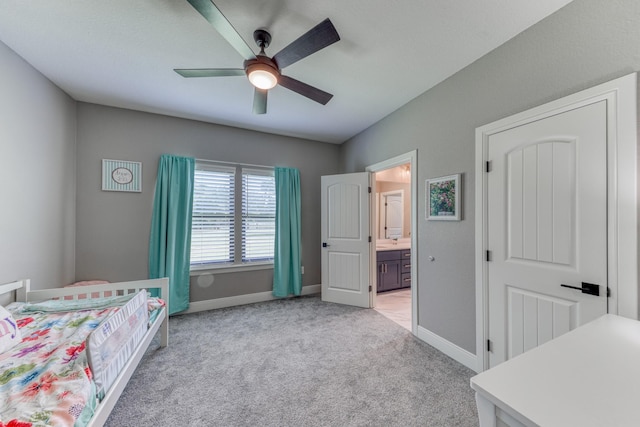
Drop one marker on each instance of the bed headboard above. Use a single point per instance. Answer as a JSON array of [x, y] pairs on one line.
[[97, 291], [8, 288]]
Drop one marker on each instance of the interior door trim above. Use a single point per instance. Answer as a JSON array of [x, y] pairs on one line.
[[412, 158], [622, 210]]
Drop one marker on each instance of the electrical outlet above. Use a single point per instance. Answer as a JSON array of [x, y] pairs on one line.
[[302, 269]]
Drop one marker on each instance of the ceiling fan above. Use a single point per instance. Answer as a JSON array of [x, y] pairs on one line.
[[264, 72]]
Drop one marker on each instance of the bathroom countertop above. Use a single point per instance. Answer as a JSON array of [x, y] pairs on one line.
[[390, 247]]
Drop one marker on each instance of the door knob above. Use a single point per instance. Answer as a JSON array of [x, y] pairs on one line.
[[324, 245], [587, 288]]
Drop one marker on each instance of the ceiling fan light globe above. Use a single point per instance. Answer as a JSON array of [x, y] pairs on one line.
[[262, 79]]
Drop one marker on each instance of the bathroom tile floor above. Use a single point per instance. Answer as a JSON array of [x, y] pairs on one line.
[[395, 305]]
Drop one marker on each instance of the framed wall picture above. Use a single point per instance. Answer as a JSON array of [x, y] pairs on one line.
[[121, 175], [443, 198]]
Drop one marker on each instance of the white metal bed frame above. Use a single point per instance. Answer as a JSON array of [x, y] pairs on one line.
[[104, 408]]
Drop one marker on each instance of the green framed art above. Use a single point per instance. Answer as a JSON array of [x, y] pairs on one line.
[[443, 198]]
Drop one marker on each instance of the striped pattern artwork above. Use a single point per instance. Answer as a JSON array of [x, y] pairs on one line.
[[121, 175]]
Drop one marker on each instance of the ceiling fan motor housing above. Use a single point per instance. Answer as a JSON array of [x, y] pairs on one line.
[[261, 62]]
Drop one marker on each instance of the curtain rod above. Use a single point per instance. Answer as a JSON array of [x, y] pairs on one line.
[[234, 163]]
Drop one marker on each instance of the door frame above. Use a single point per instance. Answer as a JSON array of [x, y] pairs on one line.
[[622, 210], [412, 158]]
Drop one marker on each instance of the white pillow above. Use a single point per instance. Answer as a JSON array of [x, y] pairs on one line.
[[9, 332]]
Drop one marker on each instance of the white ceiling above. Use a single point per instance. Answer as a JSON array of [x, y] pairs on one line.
[[122, 53]]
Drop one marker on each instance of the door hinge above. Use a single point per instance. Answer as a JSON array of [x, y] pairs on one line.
[[489, 346], [487, 166], [369, 189], [369, 239], [608, 292], [488, 256], [370, 288]]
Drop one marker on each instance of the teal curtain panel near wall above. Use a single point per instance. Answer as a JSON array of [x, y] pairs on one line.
[[287, 274], [170, 239]]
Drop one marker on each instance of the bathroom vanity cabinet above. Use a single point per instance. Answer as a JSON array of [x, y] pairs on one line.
[[394, 269]]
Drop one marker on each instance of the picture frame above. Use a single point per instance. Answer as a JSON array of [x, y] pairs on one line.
[[443, 198], [121, 175]]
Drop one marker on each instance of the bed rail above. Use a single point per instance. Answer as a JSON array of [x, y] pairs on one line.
[[25, 294]]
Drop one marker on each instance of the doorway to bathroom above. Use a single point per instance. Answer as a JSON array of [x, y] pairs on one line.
[[394, 220]]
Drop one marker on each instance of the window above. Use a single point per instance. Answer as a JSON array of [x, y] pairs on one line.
[[212, 225], [224, 197], [258, 215]]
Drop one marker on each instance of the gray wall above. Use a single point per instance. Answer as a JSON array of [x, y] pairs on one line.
[[586, 43], [37, 177], [112, 234]]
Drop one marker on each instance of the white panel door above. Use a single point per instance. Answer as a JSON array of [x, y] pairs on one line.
[[345, 239], [393, 216], [547, 227]]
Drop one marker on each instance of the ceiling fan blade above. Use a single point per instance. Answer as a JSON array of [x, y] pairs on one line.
[[304, 89], [319, 37], [210, 72], [212, 14], [260, 101]]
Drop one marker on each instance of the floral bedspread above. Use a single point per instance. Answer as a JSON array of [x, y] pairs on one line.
[[45, 380]]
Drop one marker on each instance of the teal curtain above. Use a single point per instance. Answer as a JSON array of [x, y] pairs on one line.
[[287, 273], [170, 239]]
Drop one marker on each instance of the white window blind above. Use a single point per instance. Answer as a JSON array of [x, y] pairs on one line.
[[212, 226], [258, 215]]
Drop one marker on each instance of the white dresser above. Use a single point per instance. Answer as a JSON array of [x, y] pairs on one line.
[[587, 377]]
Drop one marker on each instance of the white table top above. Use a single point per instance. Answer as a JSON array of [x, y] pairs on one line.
[[587, 377]]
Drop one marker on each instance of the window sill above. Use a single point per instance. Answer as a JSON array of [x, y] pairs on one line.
[[230, 268]]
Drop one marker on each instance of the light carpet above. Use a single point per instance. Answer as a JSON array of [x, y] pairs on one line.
[[294, 362]]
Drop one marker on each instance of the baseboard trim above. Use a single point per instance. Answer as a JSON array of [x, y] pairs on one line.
[[213, 304], [458, 354]]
